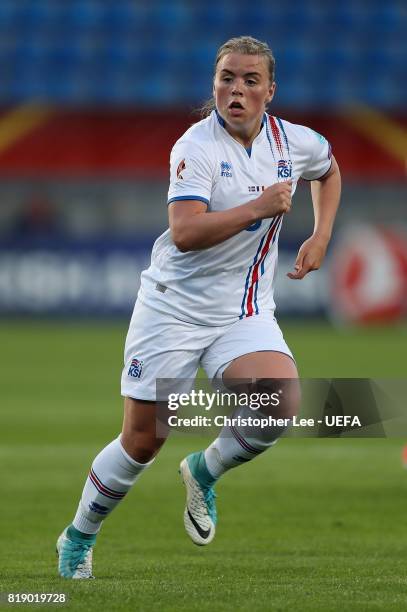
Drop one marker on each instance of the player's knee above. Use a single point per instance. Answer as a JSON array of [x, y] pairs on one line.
[[285, 396], [276, 397], [141, 446], [143, 455]]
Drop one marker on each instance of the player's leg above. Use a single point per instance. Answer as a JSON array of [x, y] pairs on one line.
[[237, 444], [250, 349], [155, 343], [113, 472], [272, 373], [139, 437], [119, 465]]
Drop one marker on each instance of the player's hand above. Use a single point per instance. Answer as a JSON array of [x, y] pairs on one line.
[[274, 200], [310, 257]]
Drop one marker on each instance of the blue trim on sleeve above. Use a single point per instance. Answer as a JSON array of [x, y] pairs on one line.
[[189, 197], [319, 177]]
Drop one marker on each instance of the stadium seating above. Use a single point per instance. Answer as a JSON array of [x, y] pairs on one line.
[[161, 53]]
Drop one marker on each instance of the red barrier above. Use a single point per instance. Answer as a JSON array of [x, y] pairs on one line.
[[137, 144]]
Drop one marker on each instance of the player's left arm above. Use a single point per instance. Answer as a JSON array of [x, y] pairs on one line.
[[326, 193]]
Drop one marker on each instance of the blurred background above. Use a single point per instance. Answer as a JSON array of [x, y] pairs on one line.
[[94, 93]]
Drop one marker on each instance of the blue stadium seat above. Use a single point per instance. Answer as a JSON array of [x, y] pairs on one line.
[[386, 17], [79, 15], [77, 48], [207, 18], [121, 18], [9, 14], [38, 16]]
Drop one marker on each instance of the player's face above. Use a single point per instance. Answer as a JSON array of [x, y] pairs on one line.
[[242, 88]]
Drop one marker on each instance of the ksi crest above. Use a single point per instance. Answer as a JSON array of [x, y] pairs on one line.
[[284, 168], [136, 368]]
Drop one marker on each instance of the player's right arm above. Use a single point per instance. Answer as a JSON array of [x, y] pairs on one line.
[[193, 228], [194, 172]]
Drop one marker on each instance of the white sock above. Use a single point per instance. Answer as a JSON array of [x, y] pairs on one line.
[[237, 444], [112, 474]]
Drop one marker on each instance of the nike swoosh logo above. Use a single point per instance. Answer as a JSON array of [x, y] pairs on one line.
[[204, 534]]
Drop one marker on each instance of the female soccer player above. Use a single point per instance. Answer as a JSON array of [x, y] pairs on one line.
[[207, 297]]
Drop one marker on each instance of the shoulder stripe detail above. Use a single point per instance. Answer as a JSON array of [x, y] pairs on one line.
[[276, 134], [249, 305], [255, 273], [280, 123], [188, 197], [249, 273], [269, 139], [272, 242], [262, 266]]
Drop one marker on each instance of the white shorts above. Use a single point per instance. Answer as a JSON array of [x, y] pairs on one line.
[[161, 346]]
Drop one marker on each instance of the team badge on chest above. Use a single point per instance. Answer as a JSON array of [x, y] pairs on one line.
[[284, 168]]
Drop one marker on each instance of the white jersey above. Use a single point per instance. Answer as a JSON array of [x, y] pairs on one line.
[[234, 279]]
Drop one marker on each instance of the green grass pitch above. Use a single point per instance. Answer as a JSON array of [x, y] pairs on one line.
[[310, 525]]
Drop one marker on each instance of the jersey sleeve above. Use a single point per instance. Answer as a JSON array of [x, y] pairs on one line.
[[319, 156], [191, 173]]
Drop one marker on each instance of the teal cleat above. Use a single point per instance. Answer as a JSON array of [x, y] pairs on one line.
[[74, 558], [200, 511]]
